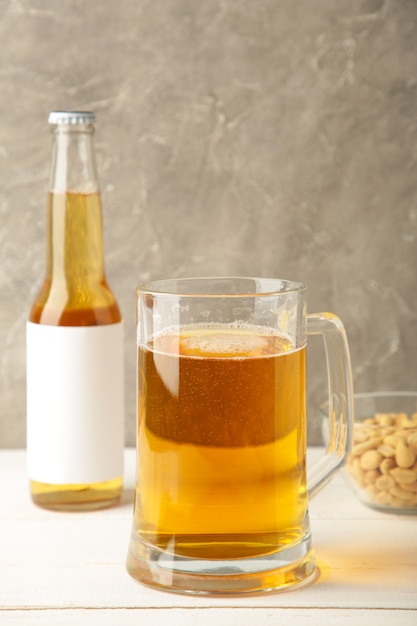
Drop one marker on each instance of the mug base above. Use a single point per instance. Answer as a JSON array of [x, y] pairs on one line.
[[286, 569]]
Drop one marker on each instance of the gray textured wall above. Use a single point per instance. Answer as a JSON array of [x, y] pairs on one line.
[[245, 137]]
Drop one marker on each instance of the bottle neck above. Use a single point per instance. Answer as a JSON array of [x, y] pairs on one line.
[[73, 167], [75, 246]]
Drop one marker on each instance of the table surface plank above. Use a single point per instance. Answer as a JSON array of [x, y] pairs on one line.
[[69, 568]]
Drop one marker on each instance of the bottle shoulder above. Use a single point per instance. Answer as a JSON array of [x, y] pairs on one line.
[[56, 306]]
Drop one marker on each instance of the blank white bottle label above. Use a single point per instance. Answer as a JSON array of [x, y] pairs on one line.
[[75, 403]]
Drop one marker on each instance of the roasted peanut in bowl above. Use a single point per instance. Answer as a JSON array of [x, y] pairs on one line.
[[382, 466]]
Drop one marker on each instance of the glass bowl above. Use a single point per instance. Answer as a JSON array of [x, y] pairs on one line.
[[382, 466]]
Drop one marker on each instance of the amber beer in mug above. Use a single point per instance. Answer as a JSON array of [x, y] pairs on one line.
[[221, 502]]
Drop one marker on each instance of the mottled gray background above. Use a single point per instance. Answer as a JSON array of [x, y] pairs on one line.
[[249, 137]]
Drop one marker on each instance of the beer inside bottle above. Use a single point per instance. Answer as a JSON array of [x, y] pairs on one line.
[[75, 409]]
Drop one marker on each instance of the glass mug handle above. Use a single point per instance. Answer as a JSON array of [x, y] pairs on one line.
[[340, 402]]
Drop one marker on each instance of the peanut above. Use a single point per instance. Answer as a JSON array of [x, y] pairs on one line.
[[371, 459], [370, 444], [385, 419], [385, 483], [402, 420], [383, 461], [404, 456], [371, 476], [387, 465], [401, 493], [393, 440], [386, 451], [412, 442], [384, 497], [403, 475], [372, 491], [409, 486]]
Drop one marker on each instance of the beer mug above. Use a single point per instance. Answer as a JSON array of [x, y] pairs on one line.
[[221, 499]]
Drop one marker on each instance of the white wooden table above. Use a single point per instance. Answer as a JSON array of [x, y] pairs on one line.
[[69, 568]]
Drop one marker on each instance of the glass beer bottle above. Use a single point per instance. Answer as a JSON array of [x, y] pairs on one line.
[[75, 395]]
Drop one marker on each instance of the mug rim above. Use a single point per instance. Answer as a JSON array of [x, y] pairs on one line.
[[371, 395], [160, 287]]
